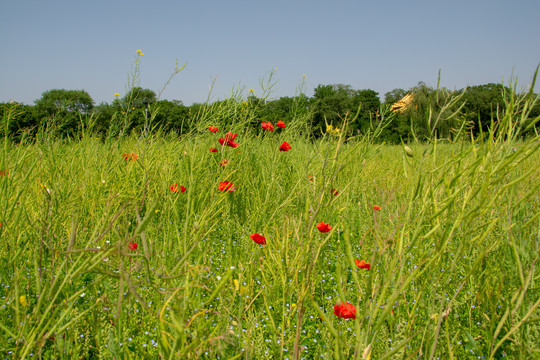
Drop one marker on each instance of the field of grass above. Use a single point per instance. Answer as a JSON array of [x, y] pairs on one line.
[[101, 256]]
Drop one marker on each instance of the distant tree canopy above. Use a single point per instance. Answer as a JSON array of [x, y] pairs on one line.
[[60, 100], [332, 103], [481, 103], [432, 112]]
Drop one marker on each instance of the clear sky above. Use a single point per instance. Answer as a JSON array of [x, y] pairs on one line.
[[377, 44]]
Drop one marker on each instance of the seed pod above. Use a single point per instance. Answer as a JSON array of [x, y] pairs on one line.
[[408, 151]]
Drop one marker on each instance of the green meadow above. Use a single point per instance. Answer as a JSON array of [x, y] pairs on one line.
[[104, 255]]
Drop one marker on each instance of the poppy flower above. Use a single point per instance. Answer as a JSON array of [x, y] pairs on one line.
[[284, 147], [182, 189], [323, 227], [228, 141], [345, 310], [130, 156], [362, 264], [259, 239], [174, 188], [267, 126], [226, 186], [281, 124], [334, 192], [4, 173], [212, 149], [310, 177], [376, 207], [213, 129], [224, 163], [133, 245]]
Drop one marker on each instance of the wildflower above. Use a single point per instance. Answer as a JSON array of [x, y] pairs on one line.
[[226, 186], [4, 173], [362, 264], [281, 124], [251, 90], [22, 300], [267, 126], [345, 310], [133, 245], [284, 147], [139, 52], [224, 163], [376, 207], [213, 129], [130, 156], [228, 141], [174, 188], [116, 94], [334, 192], [212, 149], [259, 239], [310, 177], [323, 227], [183, 189]]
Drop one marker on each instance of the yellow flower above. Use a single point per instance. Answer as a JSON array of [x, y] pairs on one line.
[[251, 90], [139, 52], [116, 94], [22, 300], [236, 285]]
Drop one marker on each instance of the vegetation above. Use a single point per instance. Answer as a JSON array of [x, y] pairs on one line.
[[233, 240]]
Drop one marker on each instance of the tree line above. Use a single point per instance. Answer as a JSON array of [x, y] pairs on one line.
[[432, 112]]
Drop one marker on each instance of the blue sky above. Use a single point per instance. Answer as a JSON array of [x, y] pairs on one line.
[[379, 45]]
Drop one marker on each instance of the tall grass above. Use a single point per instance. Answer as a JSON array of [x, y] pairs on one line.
[[453, 249]]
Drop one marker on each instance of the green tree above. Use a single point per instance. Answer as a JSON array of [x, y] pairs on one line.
[[61, 111], [172, 116], [332, 103], [481, 103]]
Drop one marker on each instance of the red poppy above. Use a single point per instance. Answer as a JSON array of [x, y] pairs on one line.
[[4, 173], [224, 163], [259, 239], [334, 192], [212, 149], [213, 129], [226, 186], [310, 177], [280, 124], [228, 141], [376, 207], [131, 156], [284, 147], [323, 227], [267, 126], [133, 245], [362, 264], [182, 189], [174, 188], [345, 310]]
